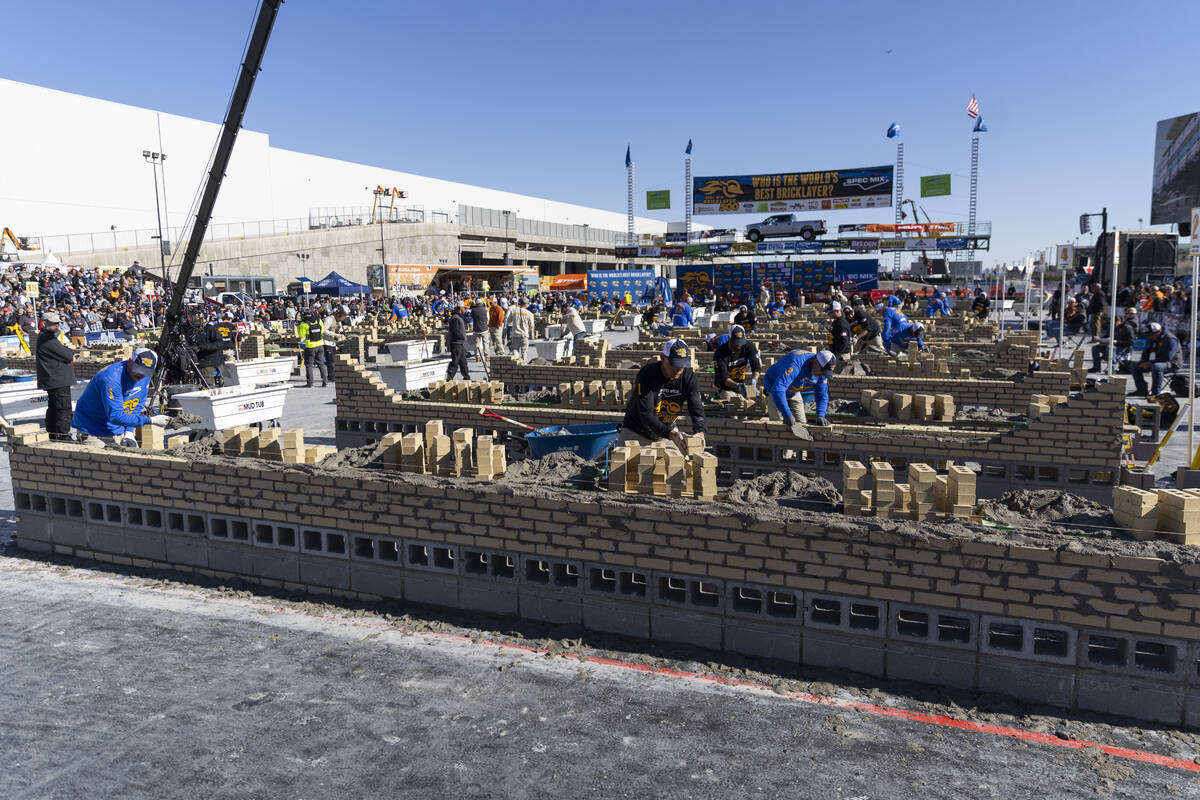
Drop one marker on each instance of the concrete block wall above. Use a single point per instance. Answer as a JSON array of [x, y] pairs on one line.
[[1007, 395], [1076, 447], [1090, 630]]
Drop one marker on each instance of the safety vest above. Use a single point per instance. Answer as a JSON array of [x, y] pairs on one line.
[[311, 333]]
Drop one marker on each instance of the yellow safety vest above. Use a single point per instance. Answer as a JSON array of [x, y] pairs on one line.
[[310, 333]]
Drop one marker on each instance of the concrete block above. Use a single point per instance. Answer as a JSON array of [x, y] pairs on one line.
[[229, 557], [554, 605], [763, 639], [378, 579], [432, 588], [489, 596], [1033, 682], [145, 544], [1129, 696], [186, 550], [826, 648], [316, 570], [684, 626], [106, 539], [275, 564], [69, 532], [928, 663], [614, 615]]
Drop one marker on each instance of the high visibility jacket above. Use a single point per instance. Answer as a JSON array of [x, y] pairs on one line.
[[310, 333]]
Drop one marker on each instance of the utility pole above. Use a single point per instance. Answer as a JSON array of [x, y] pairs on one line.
[[154, 160]]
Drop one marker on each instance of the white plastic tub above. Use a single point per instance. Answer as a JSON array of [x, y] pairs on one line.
[[410, 350], [630, 320], [258, 371], [230, 406], [551, 349], [594, 325], [413, 375], [22, 401]]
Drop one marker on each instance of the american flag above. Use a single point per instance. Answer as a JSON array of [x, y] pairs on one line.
[[973, 108]]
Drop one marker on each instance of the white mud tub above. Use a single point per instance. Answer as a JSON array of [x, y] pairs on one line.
[[410, 350], [593, 326], [258, 371], [551, 349], [413, 375], [22, 401], [230, 406]]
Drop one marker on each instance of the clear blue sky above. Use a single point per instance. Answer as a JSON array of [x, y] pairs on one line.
[[541, 97]]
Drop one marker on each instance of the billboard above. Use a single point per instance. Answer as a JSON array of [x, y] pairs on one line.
[[658, 198], [935, 185], [616, 282], [409, 277], [864, 187], [1176, 183]]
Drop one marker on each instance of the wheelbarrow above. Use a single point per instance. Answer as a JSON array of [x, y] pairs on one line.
[[588, 441]]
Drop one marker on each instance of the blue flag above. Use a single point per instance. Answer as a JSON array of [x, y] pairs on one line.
[[979, 126], [893, 130], [689, 147], [628, 160]]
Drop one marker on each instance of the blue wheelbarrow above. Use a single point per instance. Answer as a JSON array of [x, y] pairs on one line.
[[588, 441]]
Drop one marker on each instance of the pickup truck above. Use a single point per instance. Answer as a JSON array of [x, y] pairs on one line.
[[778, 225]]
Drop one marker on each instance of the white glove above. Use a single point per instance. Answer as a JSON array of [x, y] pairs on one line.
[[128, 440], [161, 420]]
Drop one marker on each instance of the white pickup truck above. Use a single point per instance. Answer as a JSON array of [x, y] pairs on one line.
[[778, 225]]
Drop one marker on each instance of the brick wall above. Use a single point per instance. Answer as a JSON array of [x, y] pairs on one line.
[[1075, 447], [1114, 632]]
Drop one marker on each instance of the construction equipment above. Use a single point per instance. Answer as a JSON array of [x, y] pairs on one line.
[[17, 248]]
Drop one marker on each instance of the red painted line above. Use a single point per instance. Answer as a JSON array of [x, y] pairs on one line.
[[850, 705]]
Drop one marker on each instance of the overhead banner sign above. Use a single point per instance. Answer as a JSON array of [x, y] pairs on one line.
[[619, 282], [1176, 180], [658, 198], [865, 187], [935, 185]]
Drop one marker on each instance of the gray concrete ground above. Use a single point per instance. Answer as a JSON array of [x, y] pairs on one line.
[[122, 683]]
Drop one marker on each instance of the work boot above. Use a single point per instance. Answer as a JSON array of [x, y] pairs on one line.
[[308, 386], [323, 385]]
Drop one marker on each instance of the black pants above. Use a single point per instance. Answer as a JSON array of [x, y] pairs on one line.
[[58, 413], [209, 373], [314, 355], [330, 351], [458, 361]]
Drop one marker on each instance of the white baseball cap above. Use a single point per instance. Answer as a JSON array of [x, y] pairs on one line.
[[1155, 327], [825, 358], [835, 306]]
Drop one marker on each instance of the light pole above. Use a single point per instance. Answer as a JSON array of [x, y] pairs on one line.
[[155, 160], [507, 214], [585, 246]]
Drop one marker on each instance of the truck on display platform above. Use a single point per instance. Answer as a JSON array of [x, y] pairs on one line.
[[781, 225]]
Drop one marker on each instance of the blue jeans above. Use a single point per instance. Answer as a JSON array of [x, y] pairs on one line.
[[1156, 372]]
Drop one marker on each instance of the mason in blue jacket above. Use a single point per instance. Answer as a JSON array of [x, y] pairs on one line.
[[784, 380], [111, 404]]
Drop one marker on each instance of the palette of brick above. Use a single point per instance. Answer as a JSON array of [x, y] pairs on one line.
[[661, 469], [1097, 631], [1076, 447], [1169, 514], [904, 406], [927, 497], [432, 452]]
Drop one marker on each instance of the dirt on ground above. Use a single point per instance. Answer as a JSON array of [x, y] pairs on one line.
[[1045, 507], [810, 489]]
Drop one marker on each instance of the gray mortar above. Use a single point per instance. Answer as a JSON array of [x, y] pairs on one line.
[[995, 374], [813, 491], [1046, 507], [855, 369], [847, 407], [981, 414], [538, 396], [563, 467]]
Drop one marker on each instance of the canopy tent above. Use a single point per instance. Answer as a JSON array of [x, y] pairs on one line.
[[335, 284]]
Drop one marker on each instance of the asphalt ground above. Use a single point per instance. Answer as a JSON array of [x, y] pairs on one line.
[[124, 683]]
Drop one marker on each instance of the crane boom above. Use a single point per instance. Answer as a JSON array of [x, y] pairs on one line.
[[170, 345]]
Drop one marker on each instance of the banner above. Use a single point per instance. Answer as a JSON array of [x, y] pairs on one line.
[[658, 198], [1175, 184], [741, 283], [865, 187], [935, 185], [571, 282], [695, 279], [410, 277], [92, 337], [952, 243], [618, 282]]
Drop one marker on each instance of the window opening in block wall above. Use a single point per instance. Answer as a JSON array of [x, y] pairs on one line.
[[285, 536], [134, 515], [504, 566], [1002, 636], [443, 558], [1106, 650], [96, 513], [418, 554], [174, 521], [953, 629], [538, 571], [1047, 474], [475, 562], [994, 470], [335, 543], [672, 589], [153, 518], [218, 528], [1154, 656], [239, 529], [633, 584], [566, 575], [705, 594], [1077, 476], [38, 502], [388, 550], [602, 580], [263, 533], [912, 623], [74, 508], [826, 612], [781, 604], [312, 541], [195, 524], [864, 616], [1102, 477], [364, 547], [746, 600], [58, 505], [1050, 642], [1024, 472]]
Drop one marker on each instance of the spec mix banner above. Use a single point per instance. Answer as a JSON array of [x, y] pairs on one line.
[[832, 190], [616, 282]]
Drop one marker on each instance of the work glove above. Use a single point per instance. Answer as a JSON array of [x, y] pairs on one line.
[[822, 422], [161, 420], [128, 440]]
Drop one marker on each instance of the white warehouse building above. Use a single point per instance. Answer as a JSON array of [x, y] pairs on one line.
[[78, 185]]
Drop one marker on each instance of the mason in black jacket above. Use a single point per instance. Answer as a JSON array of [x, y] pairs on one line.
[[457, 342], [839, 330], [735, 363], [661, 390], [55, 374]]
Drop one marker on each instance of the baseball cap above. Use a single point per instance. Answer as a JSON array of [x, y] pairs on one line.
[[678, 353], [826, 359], [1130, 312], [143, 361], [737, 332], [51, 318], [835, 306], [1155, 327]]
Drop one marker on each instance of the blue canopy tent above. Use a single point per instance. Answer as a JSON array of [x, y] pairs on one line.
[[335, 284]]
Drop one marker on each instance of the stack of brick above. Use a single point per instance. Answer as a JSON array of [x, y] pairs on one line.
[[594, 348], [883, 488], [922, 483], [272, 444], [906, 406], [485, 392], [1044, 403], [434, 453], [610, 395], [1171, 514], [661, 470], [855, 496]]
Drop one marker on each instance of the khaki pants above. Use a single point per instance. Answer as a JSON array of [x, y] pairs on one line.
[[872, 345], [520, 344], [795, 403], [496, 341]]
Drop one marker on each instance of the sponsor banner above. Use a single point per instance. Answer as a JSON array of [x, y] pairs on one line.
[[674, 251], [863, 244], [1175, 184], [625, 252], [652, 251], [935, 185], [745, 247], [952, 243], [410, 276], [864, 187], [618, 282], [571, 282], [718, 249], [695, 250], [891, 244], [676, 238], [695, 278], [658, 198], [743, 282]]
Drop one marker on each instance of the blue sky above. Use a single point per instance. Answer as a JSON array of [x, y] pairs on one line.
[[541, 97]]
